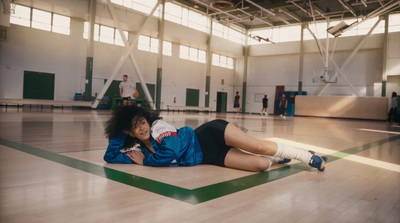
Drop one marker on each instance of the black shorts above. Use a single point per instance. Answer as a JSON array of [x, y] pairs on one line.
[[211, 136], [126, 98]]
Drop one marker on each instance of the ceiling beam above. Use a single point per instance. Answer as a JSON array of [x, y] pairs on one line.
[[318, 10], [301, 8], [348, 7], [259, 18], [287, 12], [261, 8], [268, 11]]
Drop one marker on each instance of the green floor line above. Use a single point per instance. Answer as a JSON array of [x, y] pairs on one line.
[[194, 196], [338, 155], [119, 176]]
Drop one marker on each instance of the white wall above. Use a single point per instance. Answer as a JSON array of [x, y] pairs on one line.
[[278, 64], [30, 49]]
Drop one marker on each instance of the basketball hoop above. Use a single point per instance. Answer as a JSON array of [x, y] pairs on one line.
[[12, 6], [8, 6], [324, 76]]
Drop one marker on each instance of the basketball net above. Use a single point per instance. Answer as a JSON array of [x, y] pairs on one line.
[[8, 6]]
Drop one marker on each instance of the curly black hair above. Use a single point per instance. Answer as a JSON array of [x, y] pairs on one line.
[[121, 121]]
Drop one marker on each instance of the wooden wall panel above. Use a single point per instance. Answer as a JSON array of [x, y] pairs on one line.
[[375, 108]]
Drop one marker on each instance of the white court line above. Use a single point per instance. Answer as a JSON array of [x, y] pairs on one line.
[[354, 158], [380, 131]]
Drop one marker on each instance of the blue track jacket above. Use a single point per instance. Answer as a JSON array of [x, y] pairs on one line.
[[173, 147]]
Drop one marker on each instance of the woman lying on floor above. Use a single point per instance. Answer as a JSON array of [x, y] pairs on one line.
[[140, 136]]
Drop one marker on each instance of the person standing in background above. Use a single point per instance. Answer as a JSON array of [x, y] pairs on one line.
[[393, 109], [265, 106], [126, 90], [236, 103], [283, 105]]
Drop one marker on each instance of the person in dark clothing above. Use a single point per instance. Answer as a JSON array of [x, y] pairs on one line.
[[283, 105], [265, 106], [236, 103], [393, 116]]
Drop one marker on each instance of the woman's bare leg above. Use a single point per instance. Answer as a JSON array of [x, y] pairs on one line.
[[239, 160], [237, 138]]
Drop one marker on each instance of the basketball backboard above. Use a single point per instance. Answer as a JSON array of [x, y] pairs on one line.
[[325, 76]]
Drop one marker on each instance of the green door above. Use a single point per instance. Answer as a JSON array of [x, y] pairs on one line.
[[192, 97], [152, 90], [38, 85], [222, 98], [113, 90]]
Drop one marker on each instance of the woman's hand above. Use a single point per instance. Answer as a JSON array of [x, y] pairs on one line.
[[136, 156]]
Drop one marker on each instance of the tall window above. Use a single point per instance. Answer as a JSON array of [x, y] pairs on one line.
[[173, 12], [186, 17], [41, 20], [96, 35], [138, 5], [149, 44], [394, 22], [277, 34], [105, 34], [197, 21], [61, 24], [227, 33], [193, 54], [218, 29], [22, 16], [143, 6], [118, 39], [222, 61], [167, 48], [235, 36], [292, 33]]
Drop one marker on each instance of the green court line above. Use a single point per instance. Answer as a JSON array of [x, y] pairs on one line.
[[341, 154], [194, 196]]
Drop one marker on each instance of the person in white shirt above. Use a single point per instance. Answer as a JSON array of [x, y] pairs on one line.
[[126, 90]]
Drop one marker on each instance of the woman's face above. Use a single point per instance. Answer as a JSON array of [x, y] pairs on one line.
[[140, 129]]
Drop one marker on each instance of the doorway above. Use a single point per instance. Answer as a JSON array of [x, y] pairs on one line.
[[152, 91], [222, 98], [278, 89], [113, 89], [192, 97], [38, 85]]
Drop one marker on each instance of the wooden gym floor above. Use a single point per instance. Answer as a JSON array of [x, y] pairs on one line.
[[52, 170]]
